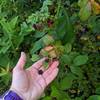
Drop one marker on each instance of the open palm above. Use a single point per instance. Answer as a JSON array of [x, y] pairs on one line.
[[28, 83]]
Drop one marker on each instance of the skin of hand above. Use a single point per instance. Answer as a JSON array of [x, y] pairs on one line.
[[27, 83]]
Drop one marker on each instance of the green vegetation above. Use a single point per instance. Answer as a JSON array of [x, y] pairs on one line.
[[71, 31]]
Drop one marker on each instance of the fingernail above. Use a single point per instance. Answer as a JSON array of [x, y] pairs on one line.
[[56, 63], [22, 53]]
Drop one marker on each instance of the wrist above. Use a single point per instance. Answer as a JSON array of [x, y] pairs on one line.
[[11, 95], [18, 93]]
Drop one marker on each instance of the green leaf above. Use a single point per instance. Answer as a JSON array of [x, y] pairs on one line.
[[25, 29], [76, 70], [37, 46], [82, 3], [46, 3], [3, 74], [66, 82], [6, 78], [39, 34], [68, 47], [85, 12], [55, 92], [64, 28], [6, 27], [60, 27], [13, 22], [78, 98], [98, 90], [80, 60], [19, 39], [5, 47], [47, 98], [4, 60], [35, 57], [69, 35], [94, 24], [73, 55], [47, 39], [65, 59], [46, 65], [94, 97]]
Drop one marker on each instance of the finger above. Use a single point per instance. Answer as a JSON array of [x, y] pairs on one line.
[[39, 63], [52, 76], [21, 62], [42, 68], [50, 69]]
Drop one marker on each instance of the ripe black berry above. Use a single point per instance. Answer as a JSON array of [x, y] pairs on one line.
[[40, 72]]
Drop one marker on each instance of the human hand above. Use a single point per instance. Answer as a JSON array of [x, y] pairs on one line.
[[28, 83]]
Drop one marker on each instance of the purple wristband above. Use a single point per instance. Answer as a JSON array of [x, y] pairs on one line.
[[12, 96]]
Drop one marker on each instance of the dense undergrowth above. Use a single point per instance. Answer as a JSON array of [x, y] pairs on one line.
[[70, 27]]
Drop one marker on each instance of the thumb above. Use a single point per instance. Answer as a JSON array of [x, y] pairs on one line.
[[20, 64]]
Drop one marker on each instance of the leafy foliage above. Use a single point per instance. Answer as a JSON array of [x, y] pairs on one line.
[[66, 29]]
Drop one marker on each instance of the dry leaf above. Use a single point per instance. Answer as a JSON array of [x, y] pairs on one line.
[[95, 7]]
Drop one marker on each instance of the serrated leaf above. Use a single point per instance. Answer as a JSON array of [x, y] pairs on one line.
[[5, 46], [6, 27], [80, 60], [25, 29], [13, 22]]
